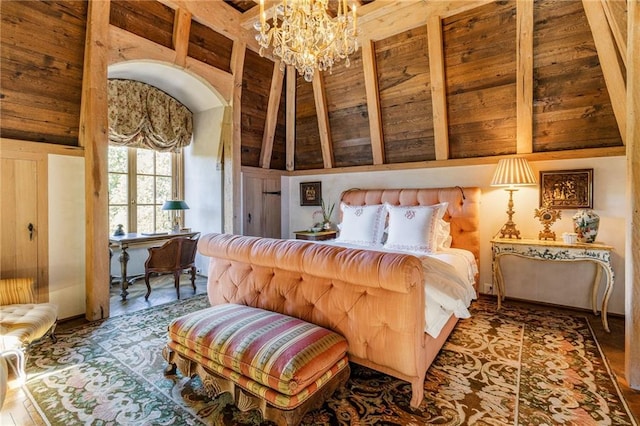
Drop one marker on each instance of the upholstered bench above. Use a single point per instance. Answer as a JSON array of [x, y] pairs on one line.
[[281, 365]]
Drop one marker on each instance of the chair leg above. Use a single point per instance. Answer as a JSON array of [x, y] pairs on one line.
[[193, 279], [20, 361], [146, 281], [176, 278], [52, 332]]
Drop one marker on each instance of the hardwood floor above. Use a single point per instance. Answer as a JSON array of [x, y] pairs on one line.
[[18, 409]]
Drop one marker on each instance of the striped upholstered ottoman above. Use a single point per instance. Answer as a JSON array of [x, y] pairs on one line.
[[281, 365]]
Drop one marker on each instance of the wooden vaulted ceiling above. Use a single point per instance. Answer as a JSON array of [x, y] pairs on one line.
[[421, 88]]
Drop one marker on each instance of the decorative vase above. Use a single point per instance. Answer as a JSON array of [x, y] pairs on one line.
[[119, 231], [585, 224]]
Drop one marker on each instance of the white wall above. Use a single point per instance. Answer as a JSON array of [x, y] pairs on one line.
[[204, 179], [67, 235], [566, 284]]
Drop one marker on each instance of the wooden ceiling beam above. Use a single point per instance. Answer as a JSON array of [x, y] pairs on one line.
[[322, 113], [616, 30], [290, 146], [271, 120], [126, 46], [384, 18], [218, 16], [180, 39], [373, 102], [438, 87], [524, 77], [606, 48]]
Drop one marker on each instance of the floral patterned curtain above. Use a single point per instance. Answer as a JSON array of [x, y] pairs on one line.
[[142, 116]]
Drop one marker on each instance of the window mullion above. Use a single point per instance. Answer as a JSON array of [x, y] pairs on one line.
[[133, 189]]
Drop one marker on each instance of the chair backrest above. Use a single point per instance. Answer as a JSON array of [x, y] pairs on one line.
[[177, 253]]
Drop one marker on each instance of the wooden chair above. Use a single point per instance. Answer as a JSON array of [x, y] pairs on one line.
[[174, 256]]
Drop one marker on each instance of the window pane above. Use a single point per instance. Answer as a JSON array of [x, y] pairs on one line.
[[118, 216], [145, 190], [163, 189], [145, 161], [145, 219], [118, 188], [118, 159], [163, 163], [163, 219]]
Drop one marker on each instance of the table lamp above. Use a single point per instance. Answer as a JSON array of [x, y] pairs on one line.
[[512, 172], [174, 206]]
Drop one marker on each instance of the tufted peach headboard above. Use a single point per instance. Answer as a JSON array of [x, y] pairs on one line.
[[463, 211]]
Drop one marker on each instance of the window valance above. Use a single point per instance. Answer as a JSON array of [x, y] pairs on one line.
[[142, 116]]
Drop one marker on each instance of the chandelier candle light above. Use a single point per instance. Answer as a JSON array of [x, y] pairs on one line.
[[305, 36]]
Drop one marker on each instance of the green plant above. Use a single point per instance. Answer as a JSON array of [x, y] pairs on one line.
[[327, 211]]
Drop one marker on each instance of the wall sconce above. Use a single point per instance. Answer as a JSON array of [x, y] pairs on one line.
[[174, 206], [512, 172]]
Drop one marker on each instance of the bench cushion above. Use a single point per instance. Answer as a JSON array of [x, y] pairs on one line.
[[22, 324], [280, 352]]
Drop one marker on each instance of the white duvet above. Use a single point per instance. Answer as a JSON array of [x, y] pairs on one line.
[[448, 289]]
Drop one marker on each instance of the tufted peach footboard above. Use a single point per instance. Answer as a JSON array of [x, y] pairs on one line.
[[374, 299]]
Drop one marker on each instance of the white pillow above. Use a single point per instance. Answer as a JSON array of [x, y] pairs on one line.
[[362, 225], [444, 234], [414, 228]]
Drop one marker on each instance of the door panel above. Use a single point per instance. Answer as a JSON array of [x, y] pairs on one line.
[[19, 190], [261, 206]]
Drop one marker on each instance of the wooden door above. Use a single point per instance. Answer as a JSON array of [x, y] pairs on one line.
[[261, 205], [23, 228]]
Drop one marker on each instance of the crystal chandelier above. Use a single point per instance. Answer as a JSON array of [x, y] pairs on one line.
[[305, 36]]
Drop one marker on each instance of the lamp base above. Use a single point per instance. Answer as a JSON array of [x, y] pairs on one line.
[[509, 230]]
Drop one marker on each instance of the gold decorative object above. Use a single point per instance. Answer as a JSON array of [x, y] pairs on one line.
[[305, 35], [512, 172], [547, 217]]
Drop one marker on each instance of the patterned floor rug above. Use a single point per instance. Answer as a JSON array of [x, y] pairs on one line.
[[515, 366]]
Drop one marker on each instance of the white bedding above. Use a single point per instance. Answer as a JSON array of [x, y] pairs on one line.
[[449, 277]]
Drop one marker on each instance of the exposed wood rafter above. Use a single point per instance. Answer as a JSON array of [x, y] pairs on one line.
[[438, 89], [606, 48], [320, 99], [373, 103], [181, 28], [524, 77], [620, 39], [232, 143], [290, 146], [272, 116]]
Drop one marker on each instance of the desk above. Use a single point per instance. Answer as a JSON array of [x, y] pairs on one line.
[[551, 251], [315, 236], [124, 241]]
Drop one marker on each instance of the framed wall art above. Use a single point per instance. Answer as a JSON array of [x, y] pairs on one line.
[[567, 189], [310, 193]]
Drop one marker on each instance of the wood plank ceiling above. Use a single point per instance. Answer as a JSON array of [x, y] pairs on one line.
[[422, 88]]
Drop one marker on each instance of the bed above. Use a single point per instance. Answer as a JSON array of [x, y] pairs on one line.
[[373, 296]]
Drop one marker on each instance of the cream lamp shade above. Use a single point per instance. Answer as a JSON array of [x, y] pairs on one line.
[[513, 171]]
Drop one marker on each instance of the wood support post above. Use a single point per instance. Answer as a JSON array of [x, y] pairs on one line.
[[524, 77], [94, 138], [438, 89]]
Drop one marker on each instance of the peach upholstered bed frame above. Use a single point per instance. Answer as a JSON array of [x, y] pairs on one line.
[[374, 299]]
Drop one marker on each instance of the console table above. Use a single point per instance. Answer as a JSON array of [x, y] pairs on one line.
[[551, 251], [124, 241]]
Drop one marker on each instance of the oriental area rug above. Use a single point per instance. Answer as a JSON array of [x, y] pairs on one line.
[[509, 367]]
